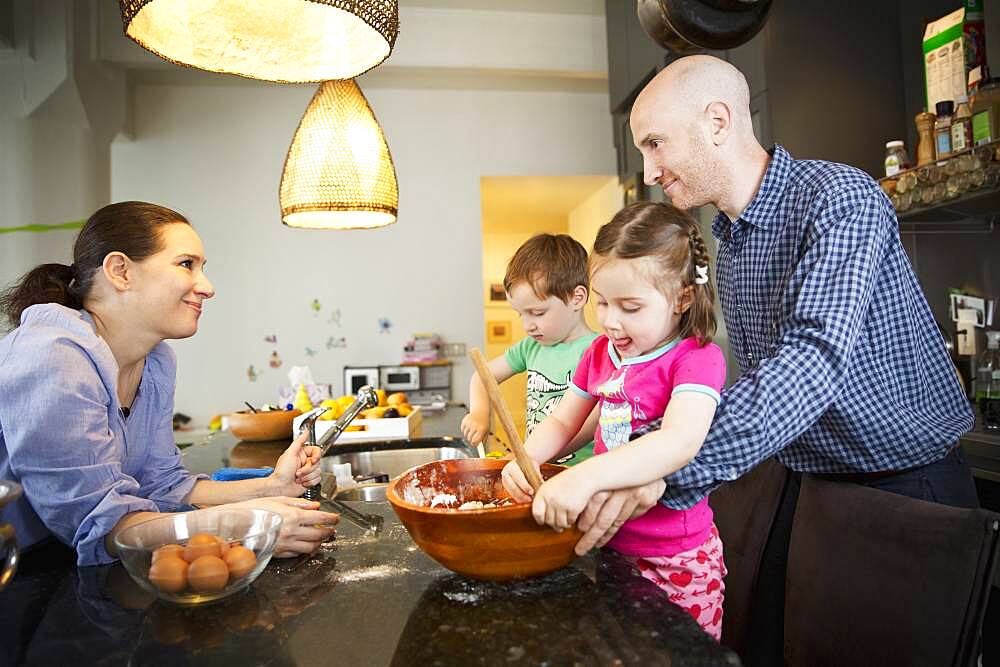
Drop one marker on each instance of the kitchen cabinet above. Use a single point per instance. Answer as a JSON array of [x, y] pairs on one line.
[[825, 78]]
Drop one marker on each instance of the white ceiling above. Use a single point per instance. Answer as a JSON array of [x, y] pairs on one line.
[[519, 204]]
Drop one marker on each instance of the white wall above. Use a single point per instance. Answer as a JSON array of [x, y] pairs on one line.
[[216, 154]]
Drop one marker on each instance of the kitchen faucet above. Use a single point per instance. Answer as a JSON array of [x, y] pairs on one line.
[[366, 398]]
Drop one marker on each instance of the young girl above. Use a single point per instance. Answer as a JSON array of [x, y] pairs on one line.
[[657, 378]]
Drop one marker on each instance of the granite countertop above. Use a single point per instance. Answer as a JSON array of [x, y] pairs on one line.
[[363, 599]]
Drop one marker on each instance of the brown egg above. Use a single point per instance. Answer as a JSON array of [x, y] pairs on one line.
[[169, 573], [208, 574], [175, 550], [223, 546], [240, 561], [201, 544]]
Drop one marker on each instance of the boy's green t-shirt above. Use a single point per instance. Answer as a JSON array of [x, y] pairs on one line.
[[550, 369]]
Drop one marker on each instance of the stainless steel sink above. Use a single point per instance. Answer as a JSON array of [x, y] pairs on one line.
[[395, 457], [391, 458], [368, 493]]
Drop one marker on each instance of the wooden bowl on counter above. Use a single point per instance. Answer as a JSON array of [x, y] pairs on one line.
[[492, 543], [262, 426]]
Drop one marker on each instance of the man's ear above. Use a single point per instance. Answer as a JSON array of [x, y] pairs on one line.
[[117, 269], [720, 122], [578, 299], [684, 300]]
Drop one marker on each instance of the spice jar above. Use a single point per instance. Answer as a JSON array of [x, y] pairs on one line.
[[942, 129], [961, 125], [896, 158]]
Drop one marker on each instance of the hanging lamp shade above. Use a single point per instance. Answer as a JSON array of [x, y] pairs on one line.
[[288, 41], [338, 173]]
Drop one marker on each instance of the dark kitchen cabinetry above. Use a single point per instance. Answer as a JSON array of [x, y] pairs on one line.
[[825, 79]]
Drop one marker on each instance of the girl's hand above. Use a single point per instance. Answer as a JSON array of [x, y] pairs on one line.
[[297, 468], [474, 429], [303, 526], [516, 483], [560, 500]]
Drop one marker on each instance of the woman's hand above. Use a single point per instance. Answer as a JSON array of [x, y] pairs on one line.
[[516, 483], [303, 526], [297, 468], [474, 428], [561, 499], [608, 511]]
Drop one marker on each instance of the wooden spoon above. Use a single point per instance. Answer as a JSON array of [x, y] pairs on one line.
[[493, 389]]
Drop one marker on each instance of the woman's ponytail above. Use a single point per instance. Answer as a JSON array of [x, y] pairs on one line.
[[46, 283]]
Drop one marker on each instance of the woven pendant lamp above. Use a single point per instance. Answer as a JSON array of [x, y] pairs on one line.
[[287, 41], [338, 173]]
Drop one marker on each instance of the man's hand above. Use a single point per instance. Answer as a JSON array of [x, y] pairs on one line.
[[607, 511]]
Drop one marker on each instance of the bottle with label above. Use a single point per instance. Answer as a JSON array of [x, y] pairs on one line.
[[986, 112], [942, 129], [988, 382], [896, 158], [961, 125]]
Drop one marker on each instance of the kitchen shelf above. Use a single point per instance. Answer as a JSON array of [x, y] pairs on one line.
[[982, 204], [974, 211]]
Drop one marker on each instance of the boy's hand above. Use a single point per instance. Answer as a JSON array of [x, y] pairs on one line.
[[475, 428], [516, 483], [560, 500]]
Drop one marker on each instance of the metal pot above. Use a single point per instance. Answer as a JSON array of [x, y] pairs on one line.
[[9, 492], [689, 26]]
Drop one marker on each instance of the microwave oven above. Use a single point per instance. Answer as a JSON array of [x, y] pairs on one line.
[[356, 377], [399, 378]]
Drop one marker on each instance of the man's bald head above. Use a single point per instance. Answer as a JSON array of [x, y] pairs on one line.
[[692, 125], [687, 86]]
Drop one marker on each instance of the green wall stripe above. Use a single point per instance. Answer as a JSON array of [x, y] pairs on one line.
[[76, 224]]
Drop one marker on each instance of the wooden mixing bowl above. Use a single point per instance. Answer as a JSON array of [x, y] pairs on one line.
[[497, 543], [262, 426]]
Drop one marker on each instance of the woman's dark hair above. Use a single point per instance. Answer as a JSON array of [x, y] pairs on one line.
[[670, 238], [129, 227]]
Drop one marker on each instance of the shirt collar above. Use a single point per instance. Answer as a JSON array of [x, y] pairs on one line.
[[758, 213], [649, 356]]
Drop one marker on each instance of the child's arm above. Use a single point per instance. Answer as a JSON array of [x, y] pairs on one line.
[[583, 436], [547, 439], [647, 458], [476, 424]]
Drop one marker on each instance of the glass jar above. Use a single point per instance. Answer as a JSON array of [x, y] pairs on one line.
[[896, 158]]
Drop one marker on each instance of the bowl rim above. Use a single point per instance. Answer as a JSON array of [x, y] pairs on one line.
[[259, 413], [395, 498], [170, 515]]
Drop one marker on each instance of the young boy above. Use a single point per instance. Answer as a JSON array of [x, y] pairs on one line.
[[546, 283]]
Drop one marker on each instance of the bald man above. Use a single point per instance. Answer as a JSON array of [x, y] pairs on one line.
[[844, 371]]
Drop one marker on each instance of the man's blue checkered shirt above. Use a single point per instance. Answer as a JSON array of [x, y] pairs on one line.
[[844, 369]]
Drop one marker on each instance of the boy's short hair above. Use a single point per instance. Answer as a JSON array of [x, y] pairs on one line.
[[553, 264]]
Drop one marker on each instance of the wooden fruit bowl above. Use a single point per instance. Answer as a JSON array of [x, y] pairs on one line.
[[496, 543], [262, 426]]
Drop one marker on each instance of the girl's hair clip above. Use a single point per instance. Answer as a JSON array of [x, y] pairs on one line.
[[701, 275]]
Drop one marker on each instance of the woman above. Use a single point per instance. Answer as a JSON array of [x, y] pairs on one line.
[[87, 385]]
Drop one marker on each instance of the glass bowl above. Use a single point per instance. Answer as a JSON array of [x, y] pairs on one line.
[[194, 580]]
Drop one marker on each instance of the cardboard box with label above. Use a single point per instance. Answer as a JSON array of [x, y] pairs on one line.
[[944, 59]]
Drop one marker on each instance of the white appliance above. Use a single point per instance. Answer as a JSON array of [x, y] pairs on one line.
[[399, 378], [356, 377]]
